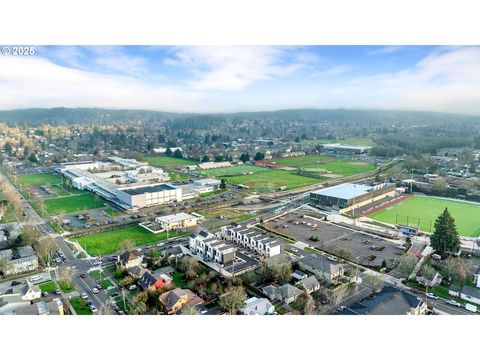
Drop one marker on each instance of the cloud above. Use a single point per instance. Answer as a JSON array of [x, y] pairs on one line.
[[386, 50], [446, 80], [236, 68], [336, 70], [38, 82]]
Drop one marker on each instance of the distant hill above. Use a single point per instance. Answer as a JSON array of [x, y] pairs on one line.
[[57, 116]]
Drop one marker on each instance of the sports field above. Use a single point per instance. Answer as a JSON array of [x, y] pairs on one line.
[[167, 161], [40, 179], [232, 170], [328, 165], [109, 242], [272, 179], [425, 209], [73, 203]]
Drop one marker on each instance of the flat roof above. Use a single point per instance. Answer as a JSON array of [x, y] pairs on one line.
[[345, 191], [175, 217], [147, 189]]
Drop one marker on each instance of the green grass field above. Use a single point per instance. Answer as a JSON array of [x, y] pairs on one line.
[[232, 170], [272, 179], [167, 161], [73, 203], [80, 306], [109, 242], [319, 165], [40, 179], [49, 287], [427, 209]]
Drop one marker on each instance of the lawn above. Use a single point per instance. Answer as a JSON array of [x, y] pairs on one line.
[[109, 242], [355, 141], [178, 279], [299, 161], [167, 161], [73, 203], [106, 284], [80, 306], [66, 286], [272, 180], [48, 287], [232, 170], [36, 180], [210, 193], [112, 212], [425, 209]]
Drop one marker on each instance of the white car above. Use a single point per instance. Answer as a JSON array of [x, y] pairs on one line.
[[453, 302], [432, 296], [93, 308], [95, 290], [84, 296]]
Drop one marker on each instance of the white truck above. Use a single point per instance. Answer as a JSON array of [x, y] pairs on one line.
[[471, 308]]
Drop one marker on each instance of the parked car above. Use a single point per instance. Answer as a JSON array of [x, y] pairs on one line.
[[453, 302], [95, 290], [432, 296], [93, 308], [84, 296], [83, 276], [15, 282]]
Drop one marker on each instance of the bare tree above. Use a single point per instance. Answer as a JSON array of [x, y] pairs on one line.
[[460, 269], [233, 299], [375, 281], [45, 248], [406, 264], [127, 244], [190, 309]]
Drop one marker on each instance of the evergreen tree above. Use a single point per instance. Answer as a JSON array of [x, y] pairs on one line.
[[223, 184], [445, 236], [168, 152], [259, 156], [205, 158], [178, 154], [244, 157]]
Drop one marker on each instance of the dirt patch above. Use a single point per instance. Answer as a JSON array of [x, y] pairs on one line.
[[358, 163], [317, 170], [287, 168], [332, 176]]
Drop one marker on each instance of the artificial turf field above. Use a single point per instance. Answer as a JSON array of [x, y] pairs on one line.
[[427, 209], [318, 163], [109, 242]]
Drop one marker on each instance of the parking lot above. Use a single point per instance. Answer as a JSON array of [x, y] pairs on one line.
[[365, 249]]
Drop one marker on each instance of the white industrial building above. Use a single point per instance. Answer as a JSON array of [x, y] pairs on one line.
[[172, 222], [214, 165], [149, 195]]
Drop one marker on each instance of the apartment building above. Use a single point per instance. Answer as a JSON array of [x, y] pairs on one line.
[[252, 239], [212, 248]]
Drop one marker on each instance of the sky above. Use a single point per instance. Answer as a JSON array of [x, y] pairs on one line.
[[244, 78]]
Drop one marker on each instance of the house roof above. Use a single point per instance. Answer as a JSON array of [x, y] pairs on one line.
[[389, 301], [310, 283], [470, 291], [322, 264], [130, 255], [299, 275], [256, 306], [288, 291], [170, 298], [147, 280], [454, 288]]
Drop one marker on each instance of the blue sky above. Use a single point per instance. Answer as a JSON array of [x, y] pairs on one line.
[[236, 78]]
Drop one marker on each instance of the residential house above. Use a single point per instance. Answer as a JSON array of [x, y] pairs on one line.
[[322, 268], [298, 275], [136, 271], [286, 293], [176, 299], [212, 248], [389, 301], [252, 239], [22, 260], [476, 277], [434, 279], [470, 294], [454, 290], [154, 281], [256, 306], [310, 284], [130, 258]]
